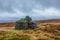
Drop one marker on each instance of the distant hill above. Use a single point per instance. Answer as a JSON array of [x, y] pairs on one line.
[[11, 24], [7, 24], [49, 21]]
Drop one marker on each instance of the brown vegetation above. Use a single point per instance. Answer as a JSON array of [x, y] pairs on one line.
[[44, 31], [55, 23], [10, 24]]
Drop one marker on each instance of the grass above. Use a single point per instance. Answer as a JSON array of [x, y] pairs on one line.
[[12, 36], [9, 33]]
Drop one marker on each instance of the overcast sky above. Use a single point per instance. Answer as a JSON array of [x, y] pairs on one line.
[[37, 9]]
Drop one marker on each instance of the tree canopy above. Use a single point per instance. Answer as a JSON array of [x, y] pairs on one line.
[[27, 18], [25, 23]]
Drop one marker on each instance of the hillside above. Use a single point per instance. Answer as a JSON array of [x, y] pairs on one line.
[[48, 21], [9, 33], [7, 24], [46, 30]]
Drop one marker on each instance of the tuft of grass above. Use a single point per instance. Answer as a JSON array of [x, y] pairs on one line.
[[12, 36]]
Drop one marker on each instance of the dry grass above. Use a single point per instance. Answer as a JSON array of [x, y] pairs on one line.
[[43, 32]]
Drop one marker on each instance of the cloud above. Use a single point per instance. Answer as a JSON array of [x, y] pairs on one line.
[[27, 5], [37, 9], [12, 16], [46, 13], [22, 5], [49, 3]]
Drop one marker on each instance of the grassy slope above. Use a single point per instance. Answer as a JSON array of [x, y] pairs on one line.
[[36, 34]]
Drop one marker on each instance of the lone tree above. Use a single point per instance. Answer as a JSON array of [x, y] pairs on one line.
[[25, 23]]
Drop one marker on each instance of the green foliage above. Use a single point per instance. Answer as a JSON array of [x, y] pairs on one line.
[[25, 23], [28, 19], [22, 20]]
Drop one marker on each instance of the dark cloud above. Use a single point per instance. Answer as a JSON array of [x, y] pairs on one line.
[[22, 5], [26, 6], [49, 3]]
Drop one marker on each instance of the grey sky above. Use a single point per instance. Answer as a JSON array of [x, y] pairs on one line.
[[37, 9]]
